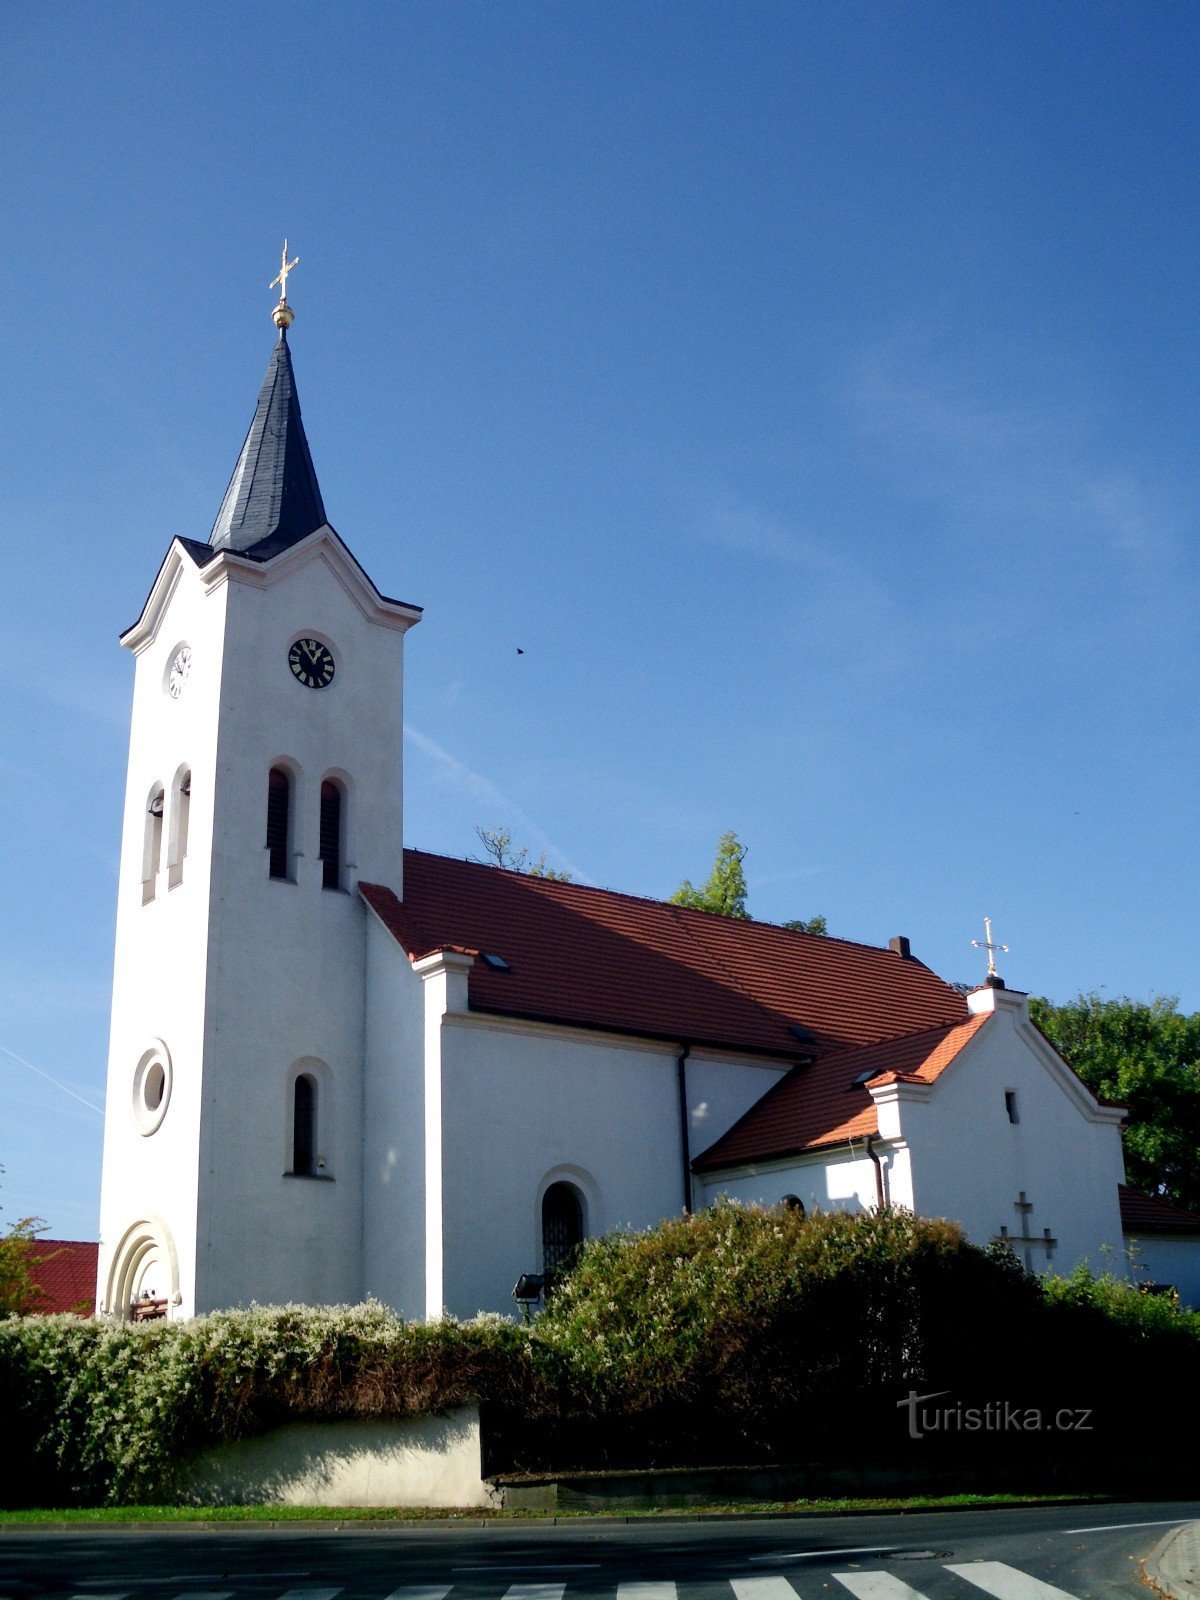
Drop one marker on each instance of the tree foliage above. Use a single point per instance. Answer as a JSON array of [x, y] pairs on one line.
[[1144, 1054], [725, 891], [499, 852], [18, 1292]]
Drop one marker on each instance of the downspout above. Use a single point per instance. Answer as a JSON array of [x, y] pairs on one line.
[[879, 1201], [685, 1149]]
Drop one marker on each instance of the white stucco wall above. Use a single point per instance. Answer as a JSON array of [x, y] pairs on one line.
[[969, 1162], [394, 1127], [1167, 1260], [834, 1180], [244, 977], [420, 1461], [525, 1105]]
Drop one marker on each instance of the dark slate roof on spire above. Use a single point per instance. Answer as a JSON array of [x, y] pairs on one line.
[[273, 499]]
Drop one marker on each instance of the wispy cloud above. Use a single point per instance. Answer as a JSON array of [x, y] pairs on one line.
[[481, 789], [975, 442]]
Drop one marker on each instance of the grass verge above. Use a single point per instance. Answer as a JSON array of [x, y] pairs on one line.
[[52, 1517]]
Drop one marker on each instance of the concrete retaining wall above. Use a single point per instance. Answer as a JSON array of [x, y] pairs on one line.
[[423, 1461]]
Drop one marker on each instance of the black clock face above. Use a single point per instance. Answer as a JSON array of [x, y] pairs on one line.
[[311, 663]]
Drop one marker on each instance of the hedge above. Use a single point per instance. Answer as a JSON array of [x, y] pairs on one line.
[[736, 1334]]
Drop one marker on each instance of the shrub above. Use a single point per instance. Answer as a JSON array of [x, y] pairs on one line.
[[768, 1324], [106, 1412]]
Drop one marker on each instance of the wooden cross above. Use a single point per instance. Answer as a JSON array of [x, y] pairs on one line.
[[979, 944], [1046, 1241], [284, 268]]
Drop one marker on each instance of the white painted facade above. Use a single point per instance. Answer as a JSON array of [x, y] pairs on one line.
[[1005, 1140], [438, 1130]]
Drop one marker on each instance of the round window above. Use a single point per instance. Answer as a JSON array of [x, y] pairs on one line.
[[151, 1088]]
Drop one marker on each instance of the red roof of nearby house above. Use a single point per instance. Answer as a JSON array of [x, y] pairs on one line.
[[64, 1273], [829, 1102], [597, 959], [1148, 1213]]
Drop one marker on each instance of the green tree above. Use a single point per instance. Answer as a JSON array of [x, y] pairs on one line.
[[1144, 1054], [497, 842], [18, 1292], [725, 891], [815, 924]]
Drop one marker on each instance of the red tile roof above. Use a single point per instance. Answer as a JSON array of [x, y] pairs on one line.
[[821, 1105], [597, 959], [1148, 1213], [64, 1274]]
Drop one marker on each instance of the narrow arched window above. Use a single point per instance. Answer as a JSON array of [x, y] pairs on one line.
[[562, 1230], [152, 848], [793, 1202], [304, 1126], [331, 835], [181, 807], [279, 807]]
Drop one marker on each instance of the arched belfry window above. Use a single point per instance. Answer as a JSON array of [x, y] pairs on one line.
[[181, 808], [562, 1229], [279, 817], [152, 848], [332, 832], [304, 1126]]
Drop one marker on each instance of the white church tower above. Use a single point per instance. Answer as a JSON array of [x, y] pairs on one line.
[[264, 781]]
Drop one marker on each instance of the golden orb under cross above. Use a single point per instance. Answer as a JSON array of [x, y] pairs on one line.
[[283, 316]]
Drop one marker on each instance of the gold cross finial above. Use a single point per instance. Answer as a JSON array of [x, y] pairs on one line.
[[283, 313], [990, 946]]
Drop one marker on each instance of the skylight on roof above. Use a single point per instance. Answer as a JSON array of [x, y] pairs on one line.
[[497, 963], [864, 1078]]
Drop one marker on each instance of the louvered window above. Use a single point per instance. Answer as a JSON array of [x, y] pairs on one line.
[[279, 804], [304, 1126], [331, 835], [562, 1230]]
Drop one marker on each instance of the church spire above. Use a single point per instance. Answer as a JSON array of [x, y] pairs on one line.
[[273, 499]]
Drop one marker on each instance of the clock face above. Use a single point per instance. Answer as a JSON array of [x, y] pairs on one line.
[[180, 668], [311, 663]]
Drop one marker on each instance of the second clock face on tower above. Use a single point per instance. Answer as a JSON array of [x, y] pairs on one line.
[[311, 663]]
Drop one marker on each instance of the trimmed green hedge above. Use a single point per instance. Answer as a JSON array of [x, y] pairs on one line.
[[736, 1334], [105, 1412]]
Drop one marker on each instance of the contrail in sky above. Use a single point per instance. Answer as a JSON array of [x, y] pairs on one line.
[[57, 1084]]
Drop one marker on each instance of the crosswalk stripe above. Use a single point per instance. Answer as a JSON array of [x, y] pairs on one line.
[[762, 1589], [415, 1592], [312, 1594], [535, 1591], [645, 1591], [877, 1586], [205, 1594], [1006, 1583]]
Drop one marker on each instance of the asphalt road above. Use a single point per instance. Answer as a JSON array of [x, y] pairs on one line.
[[1012, 1555]]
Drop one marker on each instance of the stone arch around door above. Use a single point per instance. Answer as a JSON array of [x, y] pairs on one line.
[[144, 1263]]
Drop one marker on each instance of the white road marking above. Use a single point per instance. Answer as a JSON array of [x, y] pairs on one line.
[[877, 1586], [1006, 1583], [762, 1589], [205, 1594], [311, 1594], [848, 1550], [1114, 1527], [645, 1591], [535, 1591], [416, 1593]]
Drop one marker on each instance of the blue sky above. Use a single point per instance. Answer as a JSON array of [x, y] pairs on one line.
[[808, 390]]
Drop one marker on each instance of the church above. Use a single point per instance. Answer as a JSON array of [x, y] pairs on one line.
[[341, 1068]]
